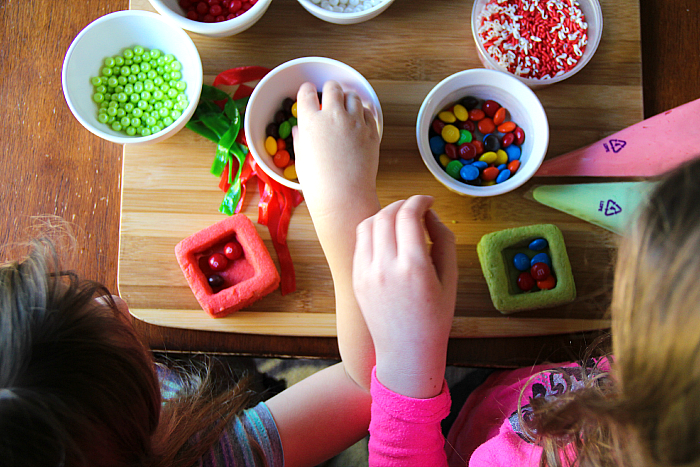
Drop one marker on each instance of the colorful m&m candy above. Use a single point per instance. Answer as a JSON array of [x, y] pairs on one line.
[[279, 143], [475, 143], [535, 270]]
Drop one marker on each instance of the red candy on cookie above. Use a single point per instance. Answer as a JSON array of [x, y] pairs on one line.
[[244, 280]]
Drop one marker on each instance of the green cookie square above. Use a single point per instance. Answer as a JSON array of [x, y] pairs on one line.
[[496, 251]]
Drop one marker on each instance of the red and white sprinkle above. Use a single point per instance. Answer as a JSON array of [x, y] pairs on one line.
[[538, 39]]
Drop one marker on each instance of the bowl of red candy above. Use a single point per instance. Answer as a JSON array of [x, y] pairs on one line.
[[214, 18], [539, 43]]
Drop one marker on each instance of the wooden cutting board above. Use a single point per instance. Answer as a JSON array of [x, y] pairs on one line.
[[168, 193]]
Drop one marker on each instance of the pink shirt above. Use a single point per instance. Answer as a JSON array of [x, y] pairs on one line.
[[487, 431]]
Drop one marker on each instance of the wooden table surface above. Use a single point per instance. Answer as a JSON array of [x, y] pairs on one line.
[[52, 166]]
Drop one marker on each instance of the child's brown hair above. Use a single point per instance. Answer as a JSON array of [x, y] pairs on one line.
[[77, 387]]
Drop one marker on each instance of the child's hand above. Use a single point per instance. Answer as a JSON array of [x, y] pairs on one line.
[[407, 294], [337, 149]]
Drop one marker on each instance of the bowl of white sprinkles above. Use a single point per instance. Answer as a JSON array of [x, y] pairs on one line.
[[540, 42], [345, 11]]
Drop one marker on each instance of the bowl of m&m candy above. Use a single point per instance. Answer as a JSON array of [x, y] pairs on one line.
[[271, 111], [131, 77], [482, 132], [213, 18], [540, 42]]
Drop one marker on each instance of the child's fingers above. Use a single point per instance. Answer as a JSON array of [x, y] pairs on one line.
[[409, 228], [369, 119], [443, 251], [384, 231], [333, 96], [363, 244], [307, 100], [353, 105]]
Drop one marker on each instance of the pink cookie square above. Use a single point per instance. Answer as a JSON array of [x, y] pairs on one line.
[[246, 279]]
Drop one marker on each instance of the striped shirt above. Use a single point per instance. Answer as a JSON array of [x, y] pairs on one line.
[[233, 449]]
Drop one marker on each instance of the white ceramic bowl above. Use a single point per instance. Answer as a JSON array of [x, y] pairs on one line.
[[171, 10], [284, 81], [523, 106], [593, 17], [345, 18], [110, 35]]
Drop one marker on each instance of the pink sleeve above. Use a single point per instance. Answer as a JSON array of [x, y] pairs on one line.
[[405, 431]]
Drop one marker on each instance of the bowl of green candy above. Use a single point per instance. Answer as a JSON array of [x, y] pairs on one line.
[[131, 77]]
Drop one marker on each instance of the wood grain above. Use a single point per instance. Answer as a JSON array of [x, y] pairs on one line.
[[34, 36]]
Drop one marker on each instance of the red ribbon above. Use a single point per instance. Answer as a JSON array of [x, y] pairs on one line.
[[240, 75], [277, 201]]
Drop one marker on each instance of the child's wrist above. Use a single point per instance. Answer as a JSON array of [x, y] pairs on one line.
[[418, 377]]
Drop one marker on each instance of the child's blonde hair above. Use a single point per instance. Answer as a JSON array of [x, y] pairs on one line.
[[648, 412]]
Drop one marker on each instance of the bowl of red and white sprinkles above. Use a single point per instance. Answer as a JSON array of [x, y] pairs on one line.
[[345, 11], [540, 42], [213, 18]]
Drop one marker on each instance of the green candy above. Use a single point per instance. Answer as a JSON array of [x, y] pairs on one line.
[[285, 129], [453, 169], [465, 136], [139, 92]]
